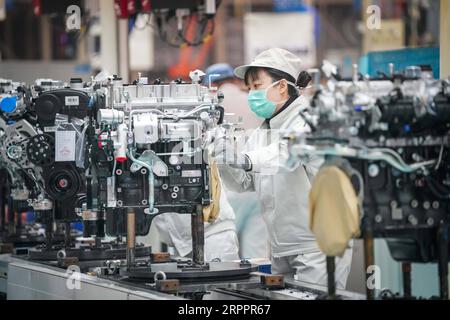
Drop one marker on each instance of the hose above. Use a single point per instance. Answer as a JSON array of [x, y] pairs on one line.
[[151, 180]]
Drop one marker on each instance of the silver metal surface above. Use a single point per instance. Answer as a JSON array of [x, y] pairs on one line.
[[4, 261], [29, 281], [32, 281]]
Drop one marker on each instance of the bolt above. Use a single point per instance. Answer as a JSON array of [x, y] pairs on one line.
[[435, 205], [373, 170], [412, 219]]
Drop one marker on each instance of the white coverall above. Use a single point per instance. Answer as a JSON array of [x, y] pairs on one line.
[[252, 232], [283, 195], [220, 236]]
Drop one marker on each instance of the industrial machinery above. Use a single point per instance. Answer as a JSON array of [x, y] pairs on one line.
[[147, 155], [15, 98], [42, 130], [140, 150], [393, 133], [147, 149]]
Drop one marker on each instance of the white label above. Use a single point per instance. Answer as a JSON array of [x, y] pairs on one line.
[[65, 146], [50, 129], [72, 101], [191, 173]]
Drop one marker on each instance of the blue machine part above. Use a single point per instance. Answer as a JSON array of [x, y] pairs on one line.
[[379, 61], [265, 268], [8, 104], [289, 5], [31, 216], [77, 226]]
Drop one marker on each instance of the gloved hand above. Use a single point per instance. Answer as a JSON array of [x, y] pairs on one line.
[[225, 152]]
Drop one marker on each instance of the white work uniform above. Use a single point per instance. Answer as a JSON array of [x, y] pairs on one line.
[[220, 236], [252, 233], [283, 195]]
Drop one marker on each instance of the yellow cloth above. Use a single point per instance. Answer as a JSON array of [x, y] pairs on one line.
[[211, 212], [333, 209]]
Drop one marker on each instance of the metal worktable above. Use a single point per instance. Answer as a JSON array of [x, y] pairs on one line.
[[25, 280]]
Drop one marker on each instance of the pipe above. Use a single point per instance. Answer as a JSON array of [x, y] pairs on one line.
[[189, 153], [151, 180], [198, 236], [331, 268], [406, 271], [188, 114], [442, 236], [369, 259], [374, 155]]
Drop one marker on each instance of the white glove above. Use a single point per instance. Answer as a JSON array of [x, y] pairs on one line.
[[225, 153]]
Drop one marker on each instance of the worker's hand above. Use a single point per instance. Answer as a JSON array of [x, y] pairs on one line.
[[225, 152]]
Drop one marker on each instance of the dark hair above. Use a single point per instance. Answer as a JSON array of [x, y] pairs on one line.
[[303, 79]]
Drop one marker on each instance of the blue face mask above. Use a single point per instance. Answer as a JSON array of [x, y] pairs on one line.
[[260, 104]]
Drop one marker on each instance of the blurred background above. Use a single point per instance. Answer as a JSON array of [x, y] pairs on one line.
[[123, 38], [166, 39]]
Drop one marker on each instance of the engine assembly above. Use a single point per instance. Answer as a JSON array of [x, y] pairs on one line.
[[110, 155], [147, 154], [393, 132]]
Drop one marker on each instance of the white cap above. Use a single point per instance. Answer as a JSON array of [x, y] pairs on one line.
[[274, 58]]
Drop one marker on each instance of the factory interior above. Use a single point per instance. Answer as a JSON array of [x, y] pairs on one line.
[[224, 150]]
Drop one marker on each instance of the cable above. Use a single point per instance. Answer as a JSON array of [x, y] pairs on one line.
[[367, 154], [440, 157]]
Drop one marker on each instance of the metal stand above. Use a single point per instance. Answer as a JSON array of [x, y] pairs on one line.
[[442, 237], [2, 209], [48, 220], [11, 217], [98, 242], [131, 238], [331, 267], [369, 259], [406, 271], [67, 238], [198, 236]]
